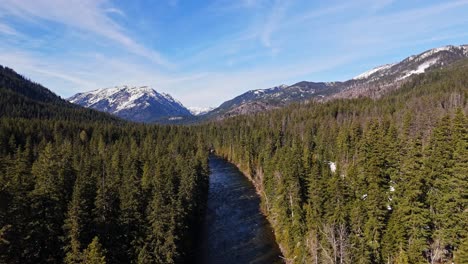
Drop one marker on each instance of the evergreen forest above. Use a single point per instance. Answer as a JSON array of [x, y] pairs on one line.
[[343, 181]]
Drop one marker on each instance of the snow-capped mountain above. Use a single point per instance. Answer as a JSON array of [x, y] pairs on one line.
[[141, 104], [416, 64], [372, 83], [260, 100], [383, 79], [196, 111], [266, 99]]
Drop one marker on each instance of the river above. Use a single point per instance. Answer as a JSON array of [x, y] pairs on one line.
[[234, 230]]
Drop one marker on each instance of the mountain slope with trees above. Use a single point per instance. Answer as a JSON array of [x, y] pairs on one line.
[[22, 98], [362, 180], [80, 186]]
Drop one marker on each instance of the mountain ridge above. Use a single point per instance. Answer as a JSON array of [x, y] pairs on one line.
[[372, 83]]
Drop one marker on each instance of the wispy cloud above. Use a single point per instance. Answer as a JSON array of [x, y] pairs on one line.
[[87, 15], [7, 30], [43, 69], [274, 18], [113, 10]]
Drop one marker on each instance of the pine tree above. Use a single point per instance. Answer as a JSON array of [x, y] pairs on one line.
[[461, 255], [458, 204], [48, 203], [375, 201], [131, 211], [411, 211], [402, 258], [94, 253], [79, 222], [439, 164]]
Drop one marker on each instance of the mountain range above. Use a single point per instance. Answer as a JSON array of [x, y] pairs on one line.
[[373, 83], [144, 104]]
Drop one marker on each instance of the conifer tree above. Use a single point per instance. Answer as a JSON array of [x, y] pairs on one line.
[[94, 253], [48, 206], [79, 222], [461, 255], [402, 258], [439, 166], [376, 186]]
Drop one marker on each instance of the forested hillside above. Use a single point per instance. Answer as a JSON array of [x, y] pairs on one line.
[[20, 97], [79, 186], [361, 180]]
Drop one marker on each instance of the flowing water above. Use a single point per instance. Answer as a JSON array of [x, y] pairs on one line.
[[234, 229]]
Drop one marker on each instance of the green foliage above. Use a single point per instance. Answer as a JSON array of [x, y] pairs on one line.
[[399, 190], [461, 255], [94, 254], [60, 189]]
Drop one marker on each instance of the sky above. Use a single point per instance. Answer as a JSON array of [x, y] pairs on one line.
[[206, 52]]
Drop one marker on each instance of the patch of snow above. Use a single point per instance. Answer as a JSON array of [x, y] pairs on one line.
[[366, 74], [392, 189], [262, 91], [135, 94], [465, 50], [175, 118], [389, 207], [434, 51], [195, 110], [257, 92], [332, 166], [421, 68]]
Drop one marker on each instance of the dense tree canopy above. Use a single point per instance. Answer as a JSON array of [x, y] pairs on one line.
[[362, 181], [90, 193]]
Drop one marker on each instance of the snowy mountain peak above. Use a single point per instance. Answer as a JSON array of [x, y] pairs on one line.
[[415, 64], [137, 103]]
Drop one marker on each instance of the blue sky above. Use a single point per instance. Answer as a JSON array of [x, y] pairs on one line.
[[206, 52]]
